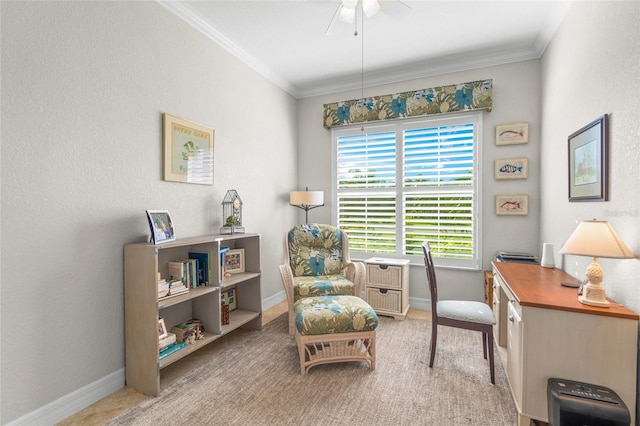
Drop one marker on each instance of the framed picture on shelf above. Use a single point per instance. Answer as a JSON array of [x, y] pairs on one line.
[[230, 298], [161, 226], [188, 151], [588, 162], [512, 134], [511, 168], [513, 205], [234, 261], [162, 329]]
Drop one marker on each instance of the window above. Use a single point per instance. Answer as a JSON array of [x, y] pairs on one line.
[[399, 184]]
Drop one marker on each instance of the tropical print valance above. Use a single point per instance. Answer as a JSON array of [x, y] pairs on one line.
[[437, 100]]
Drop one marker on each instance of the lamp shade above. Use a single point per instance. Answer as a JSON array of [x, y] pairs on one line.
[[306, 198], [596, 238]]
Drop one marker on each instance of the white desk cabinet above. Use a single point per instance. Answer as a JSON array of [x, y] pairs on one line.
[[550, 334]]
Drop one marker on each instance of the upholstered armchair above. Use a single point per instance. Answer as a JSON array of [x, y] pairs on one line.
[[317, 263]]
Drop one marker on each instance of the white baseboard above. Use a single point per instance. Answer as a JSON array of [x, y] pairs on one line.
[[420, 303], [272, 301], [77, 400]]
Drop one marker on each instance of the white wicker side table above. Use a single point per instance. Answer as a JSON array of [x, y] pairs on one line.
[[387, 286]]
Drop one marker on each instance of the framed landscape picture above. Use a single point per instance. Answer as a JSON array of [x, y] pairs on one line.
[[188, 151], [588, 162], [161, 226]]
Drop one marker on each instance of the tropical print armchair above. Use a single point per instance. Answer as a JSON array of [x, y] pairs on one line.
[[317, 264]]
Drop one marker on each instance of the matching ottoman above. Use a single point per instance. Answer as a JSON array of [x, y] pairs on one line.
[[335, 329]]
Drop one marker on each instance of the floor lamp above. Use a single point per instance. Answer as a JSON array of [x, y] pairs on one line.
[[306, 200]]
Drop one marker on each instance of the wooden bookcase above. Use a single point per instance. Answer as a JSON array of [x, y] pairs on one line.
[[143, 262]]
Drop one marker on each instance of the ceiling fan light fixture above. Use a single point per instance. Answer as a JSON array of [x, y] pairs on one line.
[[347, 14], [370, 7]]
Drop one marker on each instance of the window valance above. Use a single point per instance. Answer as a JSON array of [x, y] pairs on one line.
[[437, 100]]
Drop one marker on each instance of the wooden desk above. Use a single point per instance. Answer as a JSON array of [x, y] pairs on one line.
[[547, 333]]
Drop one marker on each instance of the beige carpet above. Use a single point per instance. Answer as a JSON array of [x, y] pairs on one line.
[[257, 381]]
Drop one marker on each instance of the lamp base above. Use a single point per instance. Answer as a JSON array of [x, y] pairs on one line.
[[585, 301], [593, 295]]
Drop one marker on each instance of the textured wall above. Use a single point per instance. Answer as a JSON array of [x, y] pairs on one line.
[[84, 85], [592, 67]]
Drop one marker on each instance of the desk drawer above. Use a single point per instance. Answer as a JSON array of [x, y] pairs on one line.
[[384, 299]]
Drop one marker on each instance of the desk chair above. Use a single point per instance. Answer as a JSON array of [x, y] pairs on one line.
[[469, 315]]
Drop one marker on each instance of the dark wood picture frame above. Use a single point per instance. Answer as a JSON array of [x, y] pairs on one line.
[[588, 153]]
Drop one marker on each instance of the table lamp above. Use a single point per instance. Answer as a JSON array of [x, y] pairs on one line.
[[595, 238], [306, 200]]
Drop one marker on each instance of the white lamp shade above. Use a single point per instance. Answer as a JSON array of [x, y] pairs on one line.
[[306, 198], [347, 14], [370, 7], [596, 238]]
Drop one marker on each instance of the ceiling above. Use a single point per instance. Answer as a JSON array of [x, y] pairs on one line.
[[294, 43]]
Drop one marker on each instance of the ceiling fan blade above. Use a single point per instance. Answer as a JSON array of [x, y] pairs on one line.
[[395, 8]]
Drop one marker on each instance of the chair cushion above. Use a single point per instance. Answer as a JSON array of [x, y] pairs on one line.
[[470, 311], [334, 314], [315, 250], [324, 285]]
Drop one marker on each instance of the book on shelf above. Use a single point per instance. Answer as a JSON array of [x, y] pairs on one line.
[[175, 288], [177, 270], [167, 341], [203, 268], [185, 270], [223, 250], [173, 349]]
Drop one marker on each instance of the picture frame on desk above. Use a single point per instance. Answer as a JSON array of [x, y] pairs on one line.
[[588, 151], [188, 151], [161, 226], [234, 261]]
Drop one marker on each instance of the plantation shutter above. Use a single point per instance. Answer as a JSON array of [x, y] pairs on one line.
[[398, 185]]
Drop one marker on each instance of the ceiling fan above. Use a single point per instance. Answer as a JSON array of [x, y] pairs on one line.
[[347, 11]]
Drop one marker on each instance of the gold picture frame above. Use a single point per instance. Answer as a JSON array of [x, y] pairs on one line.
[[512, 133], [188, 151], [234, 261], [512, 205]]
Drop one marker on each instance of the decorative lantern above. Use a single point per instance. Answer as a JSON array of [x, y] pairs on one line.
[[232, 213]]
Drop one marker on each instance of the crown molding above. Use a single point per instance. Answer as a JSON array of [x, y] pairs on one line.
[[410, 71], [185, 13]]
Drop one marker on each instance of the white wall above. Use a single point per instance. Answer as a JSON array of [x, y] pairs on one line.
[[516, 89], [84, 85], [592, 67]]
